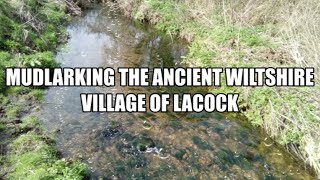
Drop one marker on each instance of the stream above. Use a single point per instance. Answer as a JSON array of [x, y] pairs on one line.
[[150, 145]]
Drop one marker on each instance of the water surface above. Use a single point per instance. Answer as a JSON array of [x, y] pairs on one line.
[[150, 145]]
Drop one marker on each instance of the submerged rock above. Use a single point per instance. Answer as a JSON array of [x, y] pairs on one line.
[[111, 133], [180, 153], [227, 158], [133, 146], [136, 162], [218, 116], [112, 130], [175, 124], [198, 116], [218, 130], [269, 177], [201, 144], [126, 150], [143, 142]]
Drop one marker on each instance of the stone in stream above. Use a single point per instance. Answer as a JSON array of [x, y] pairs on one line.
[[226, 158], [133, 146], [180, 153], [112, 130], [143, 142]]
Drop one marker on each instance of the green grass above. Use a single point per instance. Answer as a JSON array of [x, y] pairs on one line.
[[19, 90], [34, 157], [30, 122], [37, 94], [28, 38], [4, 100], [13, 112]]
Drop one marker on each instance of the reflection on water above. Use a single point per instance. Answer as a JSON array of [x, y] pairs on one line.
[[144, 145]]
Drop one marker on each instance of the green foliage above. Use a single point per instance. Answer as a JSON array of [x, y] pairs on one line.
[[221, 38], [33, 26], [19, 90], [5, 61], [251, 37], [40, 60], [200, 53], [168, 22], [2, 127], [31, 29], [35, 158], [2, 81], [29, 33], [291, 134], [30, 122], [259, 99], [37, 94], [4, 100], [13, 111], [268, 103]]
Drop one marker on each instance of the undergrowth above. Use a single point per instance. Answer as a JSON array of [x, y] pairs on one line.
[[33, 157], [30, 32]]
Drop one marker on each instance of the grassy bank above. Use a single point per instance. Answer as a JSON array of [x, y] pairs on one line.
[[30, 32], [252, 34]]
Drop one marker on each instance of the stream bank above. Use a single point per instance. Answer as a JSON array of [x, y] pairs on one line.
[[30, 33]]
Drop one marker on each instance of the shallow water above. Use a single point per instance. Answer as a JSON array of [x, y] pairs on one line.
[[150, 145]]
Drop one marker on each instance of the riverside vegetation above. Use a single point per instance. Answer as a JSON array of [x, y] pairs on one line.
[[249, 33], [30, 32]]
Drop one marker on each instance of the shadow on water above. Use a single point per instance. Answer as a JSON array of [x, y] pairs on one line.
[[145, 145]]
